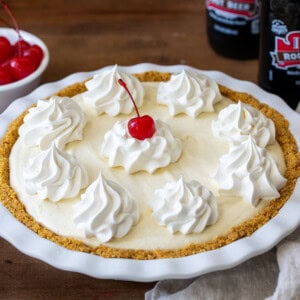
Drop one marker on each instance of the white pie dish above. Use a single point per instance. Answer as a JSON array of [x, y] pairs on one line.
[[138, 270]]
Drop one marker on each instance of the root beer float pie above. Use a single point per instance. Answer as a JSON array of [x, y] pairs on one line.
[[150, 165]]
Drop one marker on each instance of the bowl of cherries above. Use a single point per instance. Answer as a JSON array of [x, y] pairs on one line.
[[23, 59]]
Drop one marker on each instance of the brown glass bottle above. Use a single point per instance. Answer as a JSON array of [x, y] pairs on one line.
[[233, 27], [279, 55]]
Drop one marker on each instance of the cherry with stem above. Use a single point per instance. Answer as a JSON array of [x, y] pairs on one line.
[[19, 60], [15, 23], [140, 127]]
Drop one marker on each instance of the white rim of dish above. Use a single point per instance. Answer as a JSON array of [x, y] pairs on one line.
[[33, 39], [26, 241]]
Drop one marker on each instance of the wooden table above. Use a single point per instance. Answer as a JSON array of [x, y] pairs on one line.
[[84, 36]]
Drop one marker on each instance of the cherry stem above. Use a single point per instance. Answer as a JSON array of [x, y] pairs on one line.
[[124, 85], [8, 11]]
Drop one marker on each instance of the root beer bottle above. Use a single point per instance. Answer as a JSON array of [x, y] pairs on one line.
[[233, 27], [279, 55]]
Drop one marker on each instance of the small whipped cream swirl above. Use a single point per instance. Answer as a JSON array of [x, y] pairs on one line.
[[54, 174], [137, 155], [105, 95], [184, 206], [58, 120], [237, 121], [249, 171], [105, 210], [189, 92]]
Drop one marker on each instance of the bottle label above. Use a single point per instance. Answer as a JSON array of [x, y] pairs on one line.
[[245, 9], [286, 52]]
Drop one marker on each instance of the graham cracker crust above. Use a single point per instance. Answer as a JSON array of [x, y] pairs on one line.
[[286, 140]]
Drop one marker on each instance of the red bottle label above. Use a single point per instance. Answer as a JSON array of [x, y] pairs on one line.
[[287, 51], [246, 9]]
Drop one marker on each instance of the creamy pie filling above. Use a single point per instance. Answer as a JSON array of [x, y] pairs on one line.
[[199, 160]]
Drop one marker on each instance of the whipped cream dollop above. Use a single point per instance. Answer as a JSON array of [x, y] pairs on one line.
[[189, 92], [250, 172], [53, 174], [184, 206], [58, 120], [105, 210], [105, 95], [237, 121], [136, 155]]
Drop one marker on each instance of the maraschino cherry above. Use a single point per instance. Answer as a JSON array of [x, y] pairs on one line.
[[140, 127], [6, 49], [19, 60]]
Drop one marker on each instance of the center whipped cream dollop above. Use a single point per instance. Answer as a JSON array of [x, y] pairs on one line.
[[105, 95], [184, 206], [237, 121], [58, 120], [53, 174], [136, 155], [189, 92], [105, 210], [250, 172]]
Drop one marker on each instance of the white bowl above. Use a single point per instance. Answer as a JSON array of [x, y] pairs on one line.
[[14, 90]]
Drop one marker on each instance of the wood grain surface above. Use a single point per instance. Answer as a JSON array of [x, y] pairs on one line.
[[84, 36]]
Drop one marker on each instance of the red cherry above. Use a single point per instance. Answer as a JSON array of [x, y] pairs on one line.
[[20, 46], [35, 53], [14, 64], [5, 65], [141, 127], [21, 67], [6, 49], [5, 76]]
